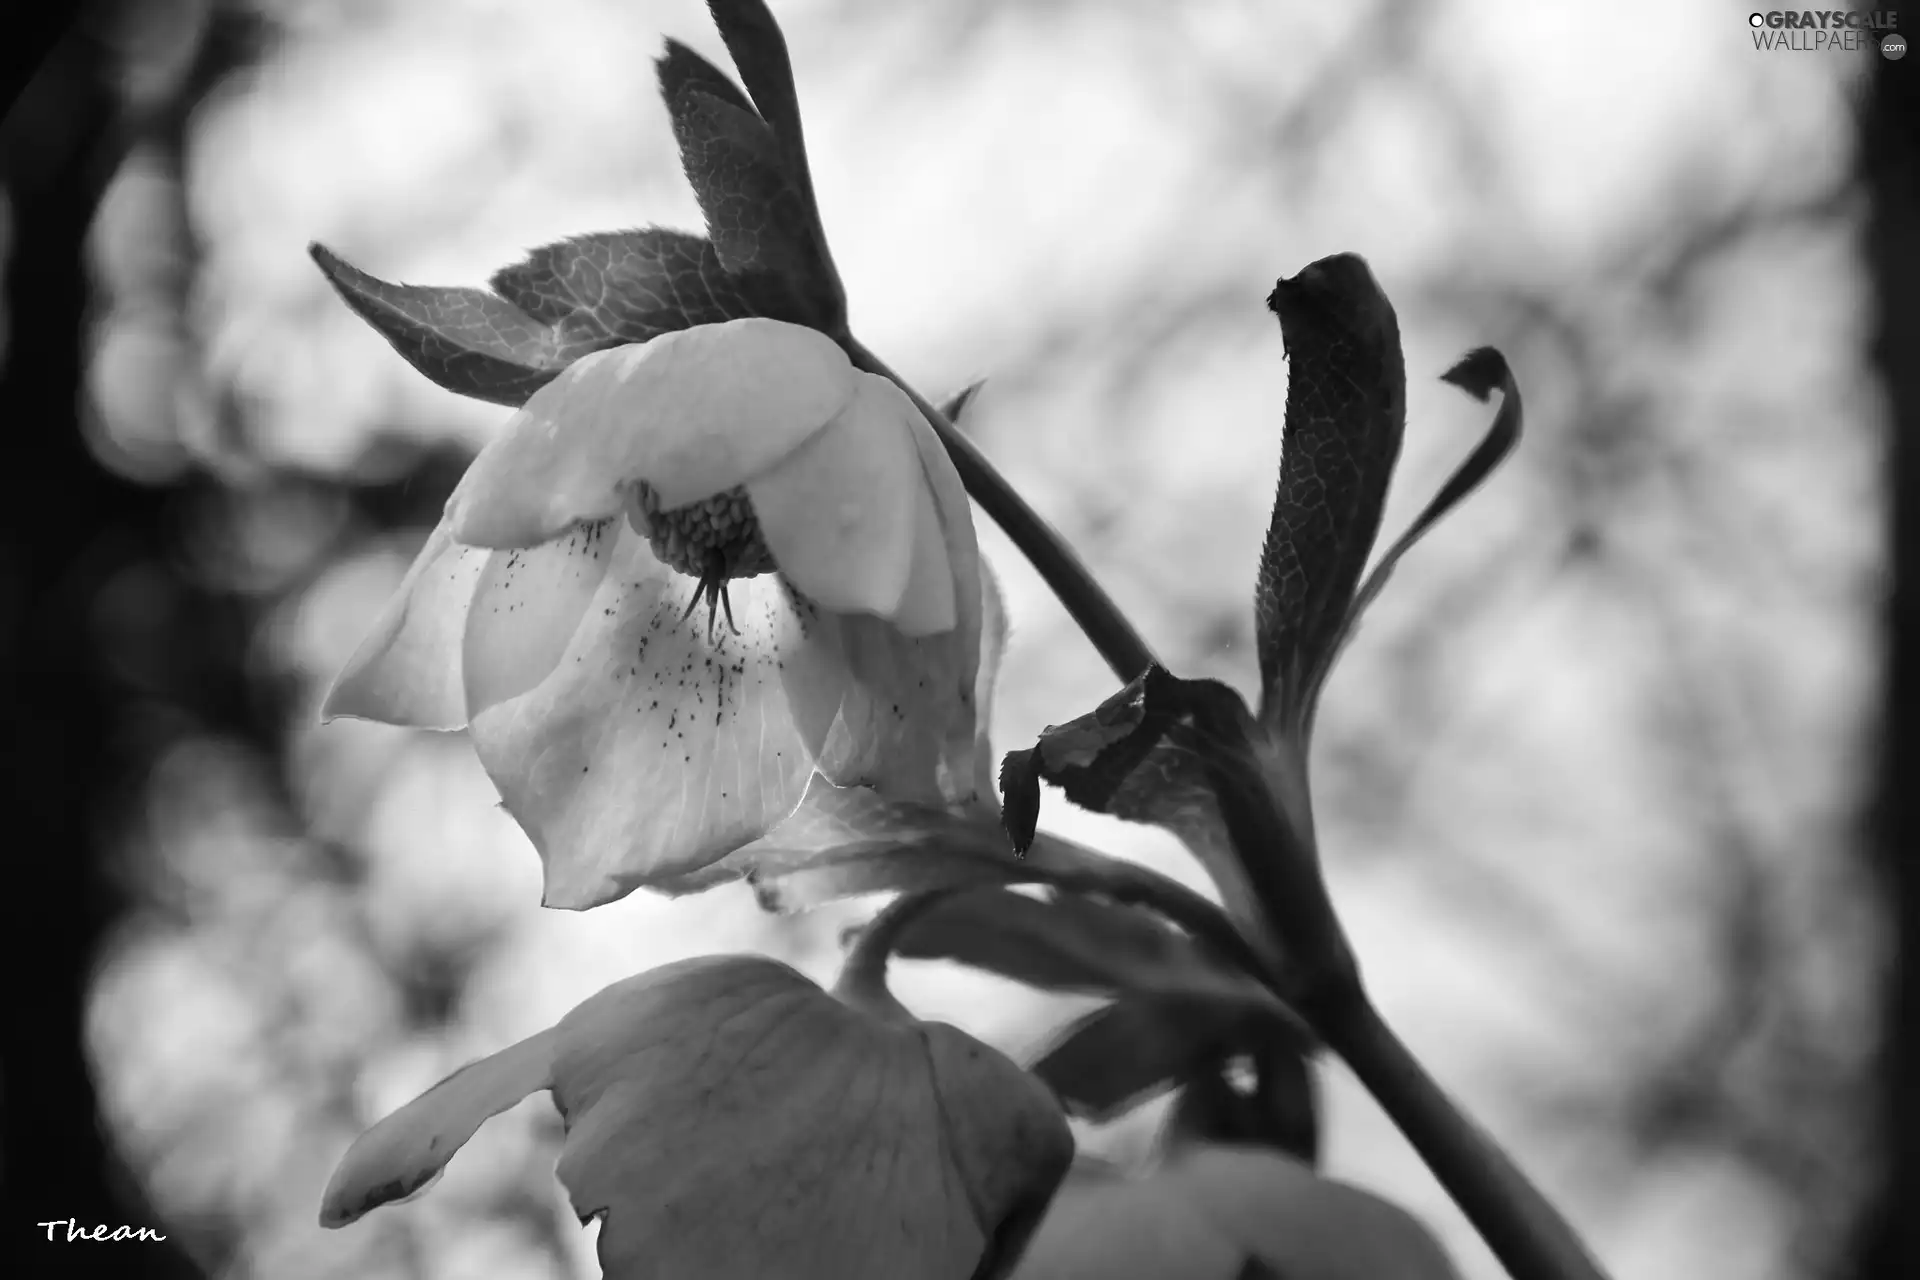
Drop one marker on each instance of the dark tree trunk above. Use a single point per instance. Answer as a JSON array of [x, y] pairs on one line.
[[1889, 1243], [65, 526]]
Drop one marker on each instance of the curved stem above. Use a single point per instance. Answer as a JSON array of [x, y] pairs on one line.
[[863, 975], [1090, 606], [1524, 1230]]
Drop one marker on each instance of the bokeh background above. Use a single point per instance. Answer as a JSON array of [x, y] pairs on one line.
[[1590, 779]]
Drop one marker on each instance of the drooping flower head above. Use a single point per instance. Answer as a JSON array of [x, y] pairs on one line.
[[553, 612]]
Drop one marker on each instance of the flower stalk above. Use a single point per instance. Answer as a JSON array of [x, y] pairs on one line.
[[1529, 1236], [1091, 608]]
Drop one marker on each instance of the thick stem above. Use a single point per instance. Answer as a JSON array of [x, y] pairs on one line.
[[1090, 606], [1524, 1231]]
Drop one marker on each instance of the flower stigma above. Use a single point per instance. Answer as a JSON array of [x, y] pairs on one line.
[[712, 541]]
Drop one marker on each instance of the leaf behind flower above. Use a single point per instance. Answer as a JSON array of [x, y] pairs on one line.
[[566, 300]]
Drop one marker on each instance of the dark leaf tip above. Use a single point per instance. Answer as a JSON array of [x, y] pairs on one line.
[[1480, 373]]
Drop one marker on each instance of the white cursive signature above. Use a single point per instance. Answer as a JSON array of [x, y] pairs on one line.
[[102, 1232]]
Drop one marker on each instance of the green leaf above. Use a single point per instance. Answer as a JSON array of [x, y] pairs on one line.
[[680, 68], [756, 216], [565, 301], [1480, 373], [1346, 413], [614, 287], [1111, 1060], [759, 49], [467, 340]]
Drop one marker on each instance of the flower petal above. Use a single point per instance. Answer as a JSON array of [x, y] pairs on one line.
[[727, 1117], [407, 671], [526, 607], [649, 751], [692, 413], [928, 603], [838, 512], [959, 770], [408, 1149], [995, 627]]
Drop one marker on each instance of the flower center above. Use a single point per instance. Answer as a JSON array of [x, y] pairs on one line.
[[714, 540]]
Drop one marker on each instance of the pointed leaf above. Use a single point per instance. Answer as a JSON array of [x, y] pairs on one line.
[[565, 301], [1346, 413], [1480, 373], [759, 50], [755, 216], [610, 287], [680, 69], [403, 1153], [464, 339]]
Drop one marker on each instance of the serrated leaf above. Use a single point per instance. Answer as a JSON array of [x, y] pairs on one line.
[[1113, 1059], [565, 301], [756, 217], [759, 49], [1345, 415], [467, 340], [680, 68], [612, 287]]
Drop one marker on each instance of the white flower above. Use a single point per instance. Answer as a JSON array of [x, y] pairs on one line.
[[555, 609]]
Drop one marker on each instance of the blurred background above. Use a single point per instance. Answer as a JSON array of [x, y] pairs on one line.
[[1594, 782]]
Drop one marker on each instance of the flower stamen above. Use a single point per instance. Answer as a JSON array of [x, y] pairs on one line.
[[713, 541]]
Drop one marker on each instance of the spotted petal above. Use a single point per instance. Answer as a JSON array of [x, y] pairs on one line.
[[648, 750], [693, 413]]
